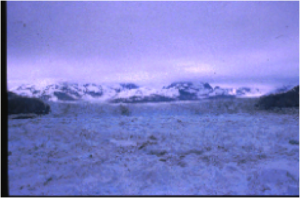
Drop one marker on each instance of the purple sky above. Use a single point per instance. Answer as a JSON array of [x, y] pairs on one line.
[[160, 42]]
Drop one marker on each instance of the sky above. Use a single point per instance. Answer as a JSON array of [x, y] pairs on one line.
[[153, 42]]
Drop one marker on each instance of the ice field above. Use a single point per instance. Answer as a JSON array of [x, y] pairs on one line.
[[207, 147]]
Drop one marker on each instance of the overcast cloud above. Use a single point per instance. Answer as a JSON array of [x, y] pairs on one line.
[[146, 42]]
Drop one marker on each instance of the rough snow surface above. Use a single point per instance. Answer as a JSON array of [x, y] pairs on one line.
[[209, 147]]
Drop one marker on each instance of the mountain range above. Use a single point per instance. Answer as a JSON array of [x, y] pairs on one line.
[[131, 93]]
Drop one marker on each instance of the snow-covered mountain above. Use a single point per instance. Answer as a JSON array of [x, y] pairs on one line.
[[131, 93], [61, 91], [239, 92]]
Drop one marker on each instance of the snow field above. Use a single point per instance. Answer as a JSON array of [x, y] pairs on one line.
[[211, 147]]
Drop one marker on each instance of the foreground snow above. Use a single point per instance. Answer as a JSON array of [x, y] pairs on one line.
[[209, 147]]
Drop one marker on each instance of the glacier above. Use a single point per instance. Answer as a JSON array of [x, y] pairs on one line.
[[201, 147], [206, 147]]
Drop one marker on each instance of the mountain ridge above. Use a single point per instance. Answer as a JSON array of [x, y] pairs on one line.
[[130, 92]]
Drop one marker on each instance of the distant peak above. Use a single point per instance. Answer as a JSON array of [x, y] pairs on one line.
[[186, 84], [207, 86], [129, 86]]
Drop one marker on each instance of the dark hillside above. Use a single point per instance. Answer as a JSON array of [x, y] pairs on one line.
[[282, 100], [24, 105]]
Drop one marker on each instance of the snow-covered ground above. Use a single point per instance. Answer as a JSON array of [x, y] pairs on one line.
[[208, 147]]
